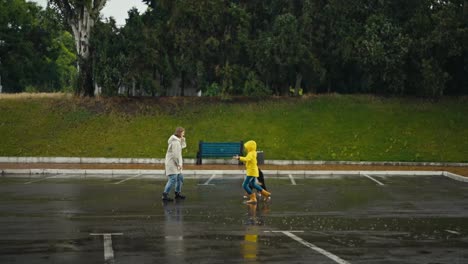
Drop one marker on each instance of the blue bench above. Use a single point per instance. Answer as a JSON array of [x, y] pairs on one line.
[[218, 150]]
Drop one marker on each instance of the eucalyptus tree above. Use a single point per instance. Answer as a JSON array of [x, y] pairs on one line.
[[81, 16]]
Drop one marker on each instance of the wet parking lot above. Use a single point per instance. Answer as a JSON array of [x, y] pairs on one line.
[[338, 219]]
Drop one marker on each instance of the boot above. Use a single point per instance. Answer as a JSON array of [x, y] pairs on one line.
[[166, 198], [253, 199], [266, 195], [179, 196]]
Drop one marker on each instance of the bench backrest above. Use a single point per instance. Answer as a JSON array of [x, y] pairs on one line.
[[220, 149]]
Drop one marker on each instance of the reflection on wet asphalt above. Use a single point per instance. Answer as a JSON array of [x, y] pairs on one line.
[[407, 220]]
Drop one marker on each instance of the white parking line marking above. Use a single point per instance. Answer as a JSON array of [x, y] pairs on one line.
[[292, 231], [108, 251], [293, 182], [314, 247], [452, 232], [209, 180], [372, 179], [42, 179], [138, 175], [174, 238]]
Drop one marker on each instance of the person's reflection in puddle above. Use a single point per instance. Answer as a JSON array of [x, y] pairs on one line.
[[253, 221], [174, 231]]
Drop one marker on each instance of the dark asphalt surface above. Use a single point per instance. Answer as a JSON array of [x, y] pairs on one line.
[[353, 219]]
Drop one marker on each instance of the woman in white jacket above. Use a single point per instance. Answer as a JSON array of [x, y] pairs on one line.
[[174, 163]]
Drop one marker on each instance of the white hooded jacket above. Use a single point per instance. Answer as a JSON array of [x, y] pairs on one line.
[[174, 161]]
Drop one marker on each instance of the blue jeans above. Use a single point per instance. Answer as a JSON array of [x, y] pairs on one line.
[[251, 180], [177, 179]]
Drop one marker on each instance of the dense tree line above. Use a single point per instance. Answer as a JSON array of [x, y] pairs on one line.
[[253, 48], [36, 51]]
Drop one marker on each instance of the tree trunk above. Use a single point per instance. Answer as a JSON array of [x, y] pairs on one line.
[[182, 87], [85, 78], [465, 11], [162, 84], [133, 87], [81, 16], [154, 81], [298, 83], [81, 27]]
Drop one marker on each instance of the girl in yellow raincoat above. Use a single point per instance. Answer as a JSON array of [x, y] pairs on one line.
[[250, 161]]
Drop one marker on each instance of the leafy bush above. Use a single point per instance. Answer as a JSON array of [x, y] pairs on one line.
[[254, 87], [213, 90]]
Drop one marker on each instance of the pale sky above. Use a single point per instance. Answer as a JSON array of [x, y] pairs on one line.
[[115, 8]]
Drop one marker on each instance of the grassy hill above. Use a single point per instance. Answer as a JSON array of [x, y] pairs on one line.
[[329, 127]]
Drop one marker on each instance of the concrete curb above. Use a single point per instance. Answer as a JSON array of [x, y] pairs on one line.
[[215, 161], [199, 174], [78, 160], [367, 163], [455, 176]]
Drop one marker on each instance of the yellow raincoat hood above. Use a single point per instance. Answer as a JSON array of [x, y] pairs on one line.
[[250, 146], [250, 159]]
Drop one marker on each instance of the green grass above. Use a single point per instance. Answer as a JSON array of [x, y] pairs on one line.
[[335, 127]]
